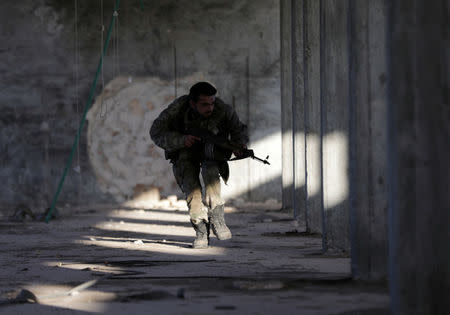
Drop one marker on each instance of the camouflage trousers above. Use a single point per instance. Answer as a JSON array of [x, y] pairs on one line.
[[199, 200]]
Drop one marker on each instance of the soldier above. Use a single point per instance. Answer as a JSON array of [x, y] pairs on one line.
[[201, 109]]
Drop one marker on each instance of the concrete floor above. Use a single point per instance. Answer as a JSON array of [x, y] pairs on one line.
[[142, 259]]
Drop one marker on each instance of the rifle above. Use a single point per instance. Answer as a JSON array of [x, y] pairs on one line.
[[218, 148]]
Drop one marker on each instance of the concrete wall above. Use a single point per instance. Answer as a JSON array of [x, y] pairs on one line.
[[419, 137], [313, 115], [335, 123], [342, 83], [385, 98], [286, 31], [368, 149], [234, 44], [320, 119], [293, 115]]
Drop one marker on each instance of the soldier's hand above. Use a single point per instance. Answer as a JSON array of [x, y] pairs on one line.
[[239, 152], [189, 140]]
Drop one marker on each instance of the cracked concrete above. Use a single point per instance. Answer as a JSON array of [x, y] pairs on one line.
[[143, 262]]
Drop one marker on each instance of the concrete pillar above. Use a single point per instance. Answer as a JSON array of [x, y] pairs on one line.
[[312, 111], [335, 122], [298, 109], [368, 107], [419, 155], [293, 110], [287, 173]]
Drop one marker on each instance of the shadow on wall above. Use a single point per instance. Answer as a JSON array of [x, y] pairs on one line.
[[335, 179], [320, 186]]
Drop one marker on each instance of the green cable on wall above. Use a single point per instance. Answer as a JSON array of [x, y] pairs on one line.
[[86, 108]]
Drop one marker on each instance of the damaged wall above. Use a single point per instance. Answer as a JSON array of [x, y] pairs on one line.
[[233, 44]]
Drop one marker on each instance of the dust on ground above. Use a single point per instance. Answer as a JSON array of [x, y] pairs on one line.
[[138, 259]]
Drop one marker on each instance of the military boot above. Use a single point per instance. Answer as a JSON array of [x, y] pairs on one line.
[[217, 221], [202, 234]]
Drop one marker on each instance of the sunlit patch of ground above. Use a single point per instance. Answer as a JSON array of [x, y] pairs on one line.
[[115, 260]]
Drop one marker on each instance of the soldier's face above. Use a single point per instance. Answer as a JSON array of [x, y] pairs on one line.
[[204, 105]]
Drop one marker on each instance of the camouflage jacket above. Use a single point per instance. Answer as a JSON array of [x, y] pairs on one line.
[[169, 129]]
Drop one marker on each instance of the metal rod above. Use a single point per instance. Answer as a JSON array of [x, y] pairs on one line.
[[175, 76], [247, 86], [83, 120]]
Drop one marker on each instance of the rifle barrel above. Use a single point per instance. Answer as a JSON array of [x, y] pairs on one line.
[[206, 136], [260, 160]]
